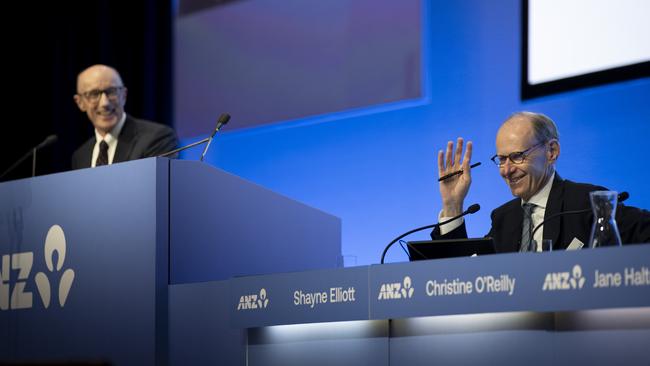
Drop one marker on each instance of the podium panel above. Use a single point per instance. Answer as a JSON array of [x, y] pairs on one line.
[[83, 261], [223, 226]]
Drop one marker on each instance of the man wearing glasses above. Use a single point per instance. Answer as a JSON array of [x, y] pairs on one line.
[[527, 148], [118, 136]]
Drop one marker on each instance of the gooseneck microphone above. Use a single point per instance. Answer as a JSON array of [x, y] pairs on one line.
[[621, 197], [470, 210], [223, 119], [47, 142]]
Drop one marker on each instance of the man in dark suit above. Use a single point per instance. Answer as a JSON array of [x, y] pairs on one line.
[[118, 136], [527, 148]]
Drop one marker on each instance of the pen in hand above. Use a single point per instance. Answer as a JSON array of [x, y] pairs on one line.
[[458, 172]]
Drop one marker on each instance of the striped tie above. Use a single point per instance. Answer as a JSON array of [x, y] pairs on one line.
[[527, 242], [102, 158]]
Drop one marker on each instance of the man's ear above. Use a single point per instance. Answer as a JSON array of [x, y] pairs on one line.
[[553, 152], [79, 102]]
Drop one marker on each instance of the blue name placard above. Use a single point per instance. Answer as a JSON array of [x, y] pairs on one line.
[[300, 297], [558, 281], [546, 282]]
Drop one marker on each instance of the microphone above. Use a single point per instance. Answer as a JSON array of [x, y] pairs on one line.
[[470, 210], [621, 197], [47, 142], [223, 119]]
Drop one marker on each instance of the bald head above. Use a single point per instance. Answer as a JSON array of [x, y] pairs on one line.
[[542, 127], [97, 72]]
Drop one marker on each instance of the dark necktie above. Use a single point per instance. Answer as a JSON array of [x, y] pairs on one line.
[[527, 242], [102, 158]]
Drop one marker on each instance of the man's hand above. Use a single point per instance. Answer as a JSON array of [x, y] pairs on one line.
[[454, 190]]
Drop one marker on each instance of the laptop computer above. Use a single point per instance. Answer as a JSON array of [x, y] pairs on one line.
[[448, 248]]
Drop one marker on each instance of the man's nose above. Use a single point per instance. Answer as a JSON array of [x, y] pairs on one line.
[[103, 99], [507, 168]]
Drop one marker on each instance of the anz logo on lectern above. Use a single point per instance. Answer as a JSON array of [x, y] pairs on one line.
[[397, 290], [564, 280], [13, 296], [253, 301]]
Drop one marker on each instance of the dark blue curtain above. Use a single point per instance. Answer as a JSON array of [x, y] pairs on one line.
[[46, 44]]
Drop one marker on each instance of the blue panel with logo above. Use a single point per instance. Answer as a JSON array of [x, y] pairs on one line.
[[558, 281], [83, 265], [300, 297]]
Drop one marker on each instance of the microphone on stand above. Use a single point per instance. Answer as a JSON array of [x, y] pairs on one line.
[[621, 197], [47, 142], [470, 210], [223, 119]]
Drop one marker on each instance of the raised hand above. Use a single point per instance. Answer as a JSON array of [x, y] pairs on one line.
[[454, 190]]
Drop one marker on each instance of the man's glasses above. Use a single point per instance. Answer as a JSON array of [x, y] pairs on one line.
[[516, 157], [94, 95]]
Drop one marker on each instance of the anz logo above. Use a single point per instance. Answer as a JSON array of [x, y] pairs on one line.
[[573, 280], [21, 264], [397, 290], [253, 301]]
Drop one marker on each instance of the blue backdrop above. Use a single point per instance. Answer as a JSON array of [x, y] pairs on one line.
[[375, 168]]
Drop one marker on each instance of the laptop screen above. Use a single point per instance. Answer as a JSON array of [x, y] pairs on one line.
[[448, 248]]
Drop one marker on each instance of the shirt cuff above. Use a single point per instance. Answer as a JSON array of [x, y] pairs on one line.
[[447, 228]]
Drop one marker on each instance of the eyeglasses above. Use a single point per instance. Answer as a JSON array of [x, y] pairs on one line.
[[516, 157], [94, 95]]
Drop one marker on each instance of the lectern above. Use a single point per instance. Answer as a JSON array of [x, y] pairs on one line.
[[86, 257]]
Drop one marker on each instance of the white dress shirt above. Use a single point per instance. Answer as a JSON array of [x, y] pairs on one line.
[[111, 140]]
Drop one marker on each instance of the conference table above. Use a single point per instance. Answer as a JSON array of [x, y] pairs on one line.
[[560, 308]]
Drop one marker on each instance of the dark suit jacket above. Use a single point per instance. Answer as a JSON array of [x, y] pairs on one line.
[[507, 220], [138, 139]]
